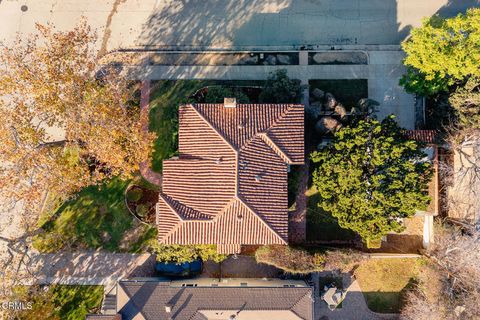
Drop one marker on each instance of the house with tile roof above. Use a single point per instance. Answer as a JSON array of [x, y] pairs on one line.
[[212, 299], [228, 185]]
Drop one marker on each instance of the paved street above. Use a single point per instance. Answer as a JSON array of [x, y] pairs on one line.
[[230, 23], [92, 268]]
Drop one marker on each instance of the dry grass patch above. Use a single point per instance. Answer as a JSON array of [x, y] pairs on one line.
[[383, 281]]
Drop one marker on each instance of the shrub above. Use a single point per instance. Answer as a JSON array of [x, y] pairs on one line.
[[142, 210], [134, 194], [187, 253], [216, 94], [292, 260], [279, 88]]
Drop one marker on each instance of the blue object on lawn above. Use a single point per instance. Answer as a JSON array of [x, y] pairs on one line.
[[186, 269]]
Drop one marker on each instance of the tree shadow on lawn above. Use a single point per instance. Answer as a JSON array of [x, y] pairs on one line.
[[95, 218], [321, 225]]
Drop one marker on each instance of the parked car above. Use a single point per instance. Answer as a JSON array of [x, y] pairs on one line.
[[186, 269]]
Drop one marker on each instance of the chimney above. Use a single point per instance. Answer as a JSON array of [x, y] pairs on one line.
[[230, 102], [258, 178], [168, 308]]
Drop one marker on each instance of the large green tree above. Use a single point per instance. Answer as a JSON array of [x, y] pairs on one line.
[[371, 177], [465, 101], [442, 52]]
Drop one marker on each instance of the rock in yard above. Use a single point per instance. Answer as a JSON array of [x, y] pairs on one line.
[[284, 59], [340, 110], [270, 60], [330, 101], [318, 58], [327, 124], [318, 94], [313, 111], [249, 60]]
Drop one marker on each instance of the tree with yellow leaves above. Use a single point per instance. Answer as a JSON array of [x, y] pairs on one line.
[[63, 124]]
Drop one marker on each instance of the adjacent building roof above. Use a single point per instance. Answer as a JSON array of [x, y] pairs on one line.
[[103, 317], [228, 185], [159, 300]]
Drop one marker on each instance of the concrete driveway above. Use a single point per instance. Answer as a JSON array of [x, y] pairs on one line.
[[229, 23]]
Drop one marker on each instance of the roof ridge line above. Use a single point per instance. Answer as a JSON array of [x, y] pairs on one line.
[[274, 123], [260, 218], [309, 293], [139, 309], [266, 138], [167, 202], [177, 226], [213, 127]]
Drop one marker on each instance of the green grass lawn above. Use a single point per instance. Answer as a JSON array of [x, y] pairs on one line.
[[348, 91], [165, 98], [60, 302], [321, 225], [95, 218], [383, 282]]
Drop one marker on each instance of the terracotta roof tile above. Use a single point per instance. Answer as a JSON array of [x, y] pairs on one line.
[[263, 184], [232, 162]]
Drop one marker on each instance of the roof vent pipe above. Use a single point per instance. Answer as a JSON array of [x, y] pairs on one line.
[[230, 102]]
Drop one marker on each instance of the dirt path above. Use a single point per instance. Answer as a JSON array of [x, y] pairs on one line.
[[298, 218], [149, 175]]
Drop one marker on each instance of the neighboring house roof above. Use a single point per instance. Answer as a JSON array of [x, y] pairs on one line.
[[425, 136], [228, 185], [103, 317], [150, 300]]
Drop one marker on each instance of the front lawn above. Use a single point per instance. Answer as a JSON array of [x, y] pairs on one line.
[[63, 302], [322, 226], [95, 218], [383, 282]]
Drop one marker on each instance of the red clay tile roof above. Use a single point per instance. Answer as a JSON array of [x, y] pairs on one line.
[[426, 136], [229, 185]]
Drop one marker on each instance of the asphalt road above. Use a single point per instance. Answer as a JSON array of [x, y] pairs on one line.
[[230, 23]]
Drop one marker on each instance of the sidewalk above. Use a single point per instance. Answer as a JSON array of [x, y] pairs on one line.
[[383, 74], [88, 268]]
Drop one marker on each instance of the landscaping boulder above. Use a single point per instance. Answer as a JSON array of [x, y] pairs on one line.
[[314, 110], [340, 110], [327, 124], [270, 60], [330, 101], [318, 58], [284, 59], [366, 106], [250, 60], [318, 94]]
